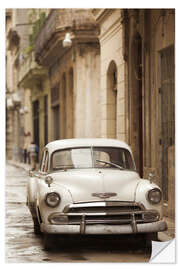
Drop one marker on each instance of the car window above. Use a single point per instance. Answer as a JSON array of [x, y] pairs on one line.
[[72, 158], [119, 156], [90, 157]]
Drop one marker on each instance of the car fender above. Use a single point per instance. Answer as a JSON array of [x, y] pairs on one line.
[[31, 190], [142, 188]]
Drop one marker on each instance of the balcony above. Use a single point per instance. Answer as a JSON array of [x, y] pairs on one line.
[[79, 23], [29, 71]]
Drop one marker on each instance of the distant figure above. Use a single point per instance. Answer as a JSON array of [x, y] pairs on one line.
[[37, 153], [32, 155], [25, 155]]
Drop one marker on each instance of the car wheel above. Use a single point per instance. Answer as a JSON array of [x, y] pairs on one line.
[[148, 238], [37, 229], [47, 241], [152, 236]]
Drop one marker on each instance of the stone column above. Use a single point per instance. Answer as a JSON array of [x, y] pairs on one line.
[[87, 91]]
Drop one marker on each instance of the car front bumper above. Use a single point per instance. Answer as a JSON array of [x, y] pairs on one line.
[[157, 226]]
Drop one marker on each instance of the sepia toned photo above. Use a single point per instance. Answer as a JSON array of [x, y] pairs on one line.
[[90, 134]]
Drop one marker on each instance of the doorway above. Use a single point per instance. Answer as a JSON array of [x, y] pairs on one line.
[[36, 124], [136, 103], [167, 114], [56, 122]]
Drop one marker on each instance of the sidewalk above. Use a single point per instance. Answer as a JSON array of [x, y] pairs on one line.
[[163, 236], [24, 166]]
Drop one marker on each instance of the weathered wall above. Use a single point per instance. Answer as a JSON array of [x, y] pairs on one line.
[[79, 106], [111, 51], [87, 93], [156, 29]]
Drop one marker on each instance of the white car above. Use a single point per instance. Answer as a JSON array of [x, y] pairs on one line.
[[91, 186]]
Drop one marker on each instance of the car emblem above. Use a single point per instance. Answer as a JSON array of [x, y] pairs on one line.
[[104, 195]]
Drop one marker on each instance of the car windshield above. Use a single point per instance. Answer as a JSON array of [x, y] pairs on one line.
[[92, 157]]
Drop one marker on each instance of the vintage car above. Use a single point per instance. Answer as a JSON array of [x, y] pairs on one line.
[[91, 187]]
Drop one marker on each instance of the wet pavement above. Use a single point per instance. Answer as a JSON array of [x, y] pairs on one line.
[[22, 245]]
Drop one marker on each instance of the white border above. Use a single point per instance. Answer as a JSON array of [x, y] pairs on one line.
[[77, 4]]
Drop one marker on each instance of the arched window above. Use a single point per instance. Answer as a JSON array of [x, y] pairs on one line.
[[111, 101]]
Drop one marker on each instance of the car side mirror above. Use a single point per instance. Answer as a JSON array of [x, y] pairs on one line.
[[34, 173]]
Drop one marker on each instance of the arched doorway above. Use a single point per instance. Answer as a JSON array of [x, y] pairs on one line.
[[136, 108], [111, 101]]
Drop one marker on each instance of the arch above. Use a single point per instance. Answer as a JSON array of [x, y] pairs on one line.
[[111, 100]]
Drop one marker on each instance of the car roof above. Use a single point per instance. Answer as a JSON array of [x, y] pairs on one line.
[[70, 143]]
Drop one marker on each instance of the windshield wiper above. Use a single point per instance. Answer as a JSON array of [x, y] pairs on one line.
[[110, 163]]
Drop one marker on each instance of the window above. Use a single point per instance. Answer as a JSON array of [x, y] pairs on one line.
[[92, 157], [111, 100]]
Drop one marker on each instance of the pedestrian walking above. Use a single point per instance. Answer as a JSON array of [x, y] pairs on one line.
[[25, 155], [32, 155]]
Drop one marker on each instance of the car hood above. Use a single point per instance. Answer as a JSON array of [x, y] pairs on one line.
[[83, 183]]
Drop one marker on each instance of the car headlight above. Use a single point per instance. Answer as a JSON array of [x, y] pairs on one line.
[[154, 196], [52, 199]]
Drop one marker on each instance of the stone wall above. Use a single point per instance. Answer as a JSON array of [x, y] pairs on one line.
[[111, 52]]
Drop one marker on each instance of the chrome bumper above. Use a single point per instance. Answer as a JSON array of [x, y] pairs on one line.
[[83, 228]]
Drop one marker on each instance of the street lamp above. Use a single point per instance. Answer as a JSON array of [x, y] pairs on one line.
[[67, 42]]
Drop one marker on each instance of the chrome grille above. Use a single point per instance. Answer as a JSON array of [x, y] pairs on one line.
[[104, 209], [112, 219], [104, 212]]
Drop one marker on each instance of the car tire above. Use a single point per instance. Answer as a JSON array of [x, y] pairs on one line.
[[148, 238], [47, 241], [37, 229], [152, 236]]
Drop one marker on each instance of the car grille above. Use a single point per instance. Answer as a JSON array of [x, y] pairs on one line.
[[104, 212]]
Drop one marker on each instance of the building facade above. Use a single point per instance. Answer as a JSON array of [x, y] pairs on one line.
[[73, 72], [149, 42], [16, 41], [137, 88], [115, 79]]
